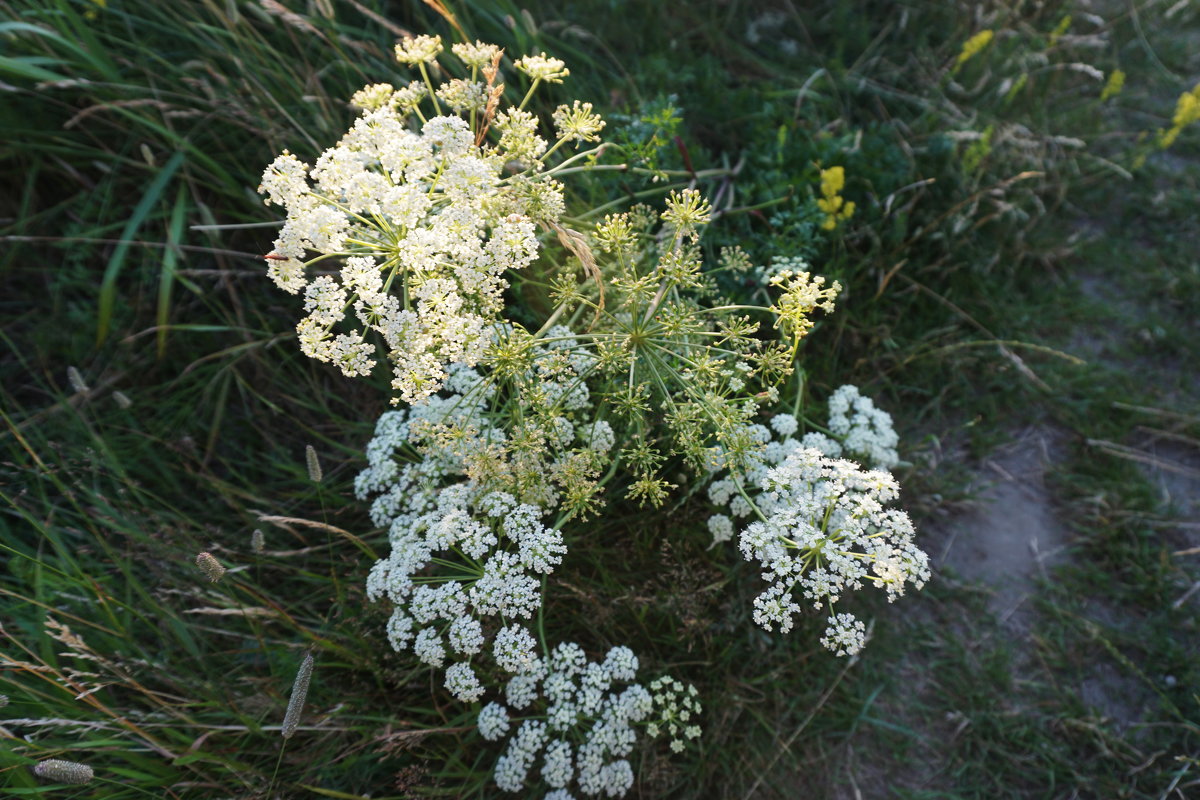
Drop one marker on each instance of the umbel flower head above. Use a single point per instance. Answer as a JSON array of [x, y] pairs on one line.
[[543, 68], [418, 50], [825, 530], [399, 237]]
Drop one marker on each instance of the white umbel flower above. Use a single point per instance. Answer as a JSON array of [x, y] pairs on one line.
[[462, 682], [826, 530], [493, 722], [418, 50], [543, 68], [514, 650]]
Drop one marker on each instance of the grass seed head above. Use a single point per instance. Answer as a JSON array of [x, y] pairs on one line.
[[299, 694], [76, 380], [314, 464], [60, 771], [209, 565]]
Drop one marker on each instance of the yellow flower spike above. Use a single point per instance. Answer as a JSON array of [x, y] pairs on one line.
[[1063, 25], [835, 207], [1187, 110], [830, 205], [1116, 82], [832, 181], [971, 47]]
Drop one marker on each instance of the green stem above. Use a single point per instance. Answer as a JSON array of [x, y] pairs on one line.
[[529, 94], [432, 94]]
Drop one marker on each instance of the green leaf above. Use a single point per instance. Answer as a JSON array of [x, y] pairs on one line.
[[167, 278], [26, 67]]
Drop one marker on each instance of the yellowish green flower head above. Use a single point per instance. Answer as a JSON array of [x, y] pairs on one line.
[[542, 68], [973, 46], [419, 50], [1187, 111], [1114, 85], [1060, 30]]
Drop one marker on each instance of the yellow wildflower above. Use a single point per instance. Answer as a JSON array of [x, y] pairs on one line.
[[973, 46], [1063, 25], [1187, 111], [836, 208], [1116, 82]]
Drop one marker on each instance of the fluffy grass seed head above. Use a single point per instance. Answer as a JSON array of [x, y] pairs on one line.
[[75, 378], [315, 473], [72, 772], [209, 565], [299, 695]]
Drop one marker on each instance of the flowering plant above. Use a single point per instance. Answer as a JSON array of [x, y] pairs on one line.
[[403, 239]]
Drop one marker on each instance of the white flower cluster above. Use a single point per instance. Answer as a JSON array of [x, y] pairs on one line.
[[499, 546], [676, 708], [731, 492], [421, 219], [825, 530], [866, 436], [408, 462], [866, 432], [503, 582], [579, 717], [584, 728]]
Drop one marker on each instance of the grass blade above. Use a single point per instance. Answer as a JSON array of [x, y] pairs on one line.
[[108, 286], [166, 279]]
